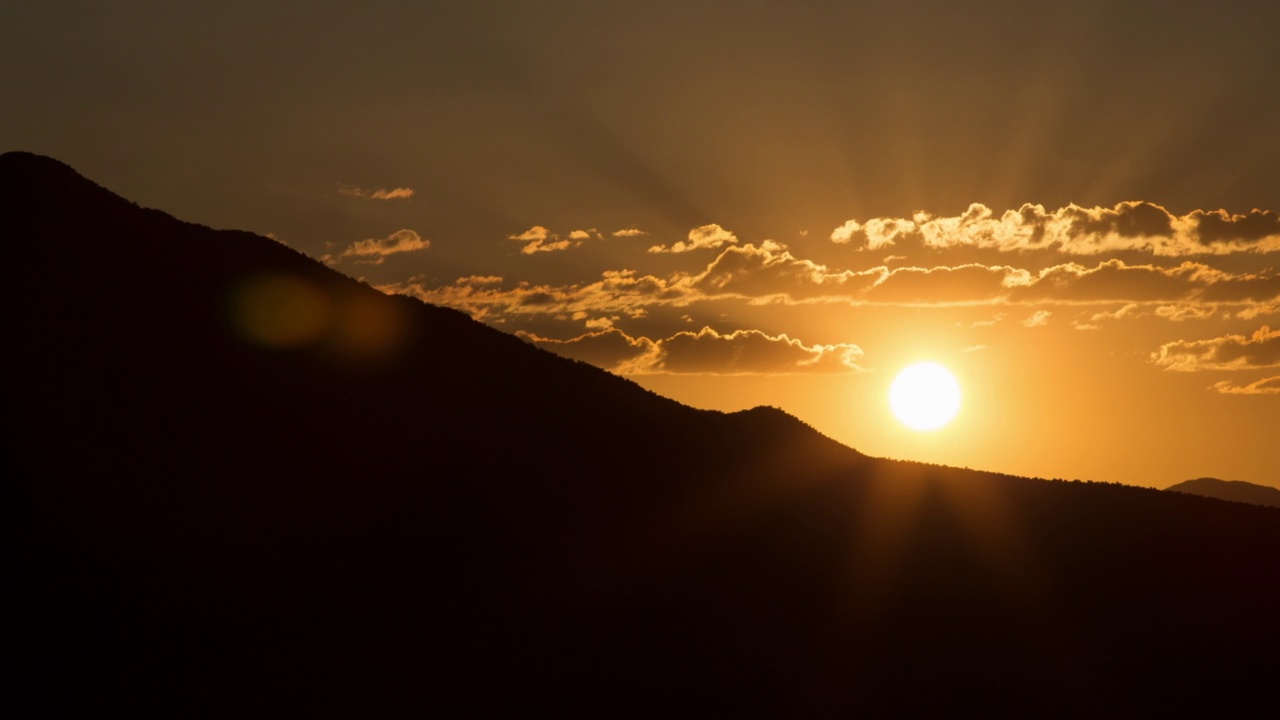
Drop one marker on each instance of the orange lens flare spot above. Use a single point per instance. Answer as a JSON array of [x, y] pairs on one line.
[[280, 311]]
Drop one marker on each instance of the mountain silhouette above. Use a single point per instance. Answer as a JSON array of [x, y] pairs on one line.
[[1234, 490], [238, 479]]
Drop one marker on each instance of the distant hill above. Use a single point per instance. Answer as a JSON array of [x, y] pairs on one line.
[[236, 479], [1234, 490]]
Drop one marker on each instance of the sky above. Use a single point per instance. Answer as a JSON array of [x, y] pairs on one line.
[[1071, 206]]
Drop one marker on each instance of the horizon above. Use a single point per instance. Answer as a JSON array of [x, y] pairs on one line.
[[776, 208]]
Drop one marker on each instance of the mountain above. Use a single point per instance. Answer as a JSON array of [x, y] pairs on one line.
[[237, 479], [1234, 490]]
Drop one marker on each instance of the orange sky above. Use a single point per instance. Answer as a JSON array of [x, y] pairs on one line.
[[1074, 207]]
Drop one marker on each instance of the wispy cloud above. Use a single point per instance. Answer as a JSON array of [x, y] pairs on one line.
[[375, 250], [1265, 386], [400, 193], [1229, 352], [1039, 318]]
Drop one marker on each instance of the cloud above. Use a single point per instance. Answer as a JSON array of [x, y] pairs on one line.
[[375, 250], [1265, 386], [1257, 309], [628, 232], [1074, 230], [400, 193], [945, 285], [608, 348], [752, 352], [770, 271], [875, 233], [706, 236], [539, 239], [1230, 352], [744, 352], [1039, 318]]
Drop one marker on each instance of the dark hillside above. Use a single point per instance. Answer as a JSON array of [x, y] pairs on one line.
[[236, 478]]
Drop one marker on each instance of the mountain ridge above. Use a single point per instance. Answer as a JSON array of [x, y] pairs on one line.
[[1232, 490], [344, 522]]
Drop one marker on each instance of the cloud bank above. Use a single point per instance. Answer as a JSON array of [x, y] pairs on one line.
[[1074, 230], [769, 273]]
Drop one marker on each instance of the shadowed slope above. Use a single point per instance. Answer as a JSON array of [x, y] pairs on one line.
[[241, 477]]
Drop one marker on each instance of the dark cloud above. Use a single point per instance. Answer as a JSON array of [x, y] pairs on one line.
[[1218, 226]]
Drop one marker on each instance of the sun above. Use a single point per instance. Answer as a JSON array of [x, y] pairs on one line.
[[925, 396]]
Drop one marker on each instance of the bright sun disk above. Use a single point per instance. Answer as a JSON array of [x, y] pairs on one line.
[[925, 396]]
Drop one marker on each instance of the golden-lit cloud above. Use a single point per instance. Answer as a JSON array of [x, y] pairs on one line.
[[540, 239], [1186, 311], [1258, 309], [1229, 352], [743, 352], [1074, 230], [400, 193], [769, 271], [944, 285], [706, 236], [375, 250], [1265, 386], [628, 232], [608, 348]]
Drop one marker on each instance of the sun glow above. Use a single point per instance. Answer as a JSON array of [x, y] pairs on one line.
[[925, 396]]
